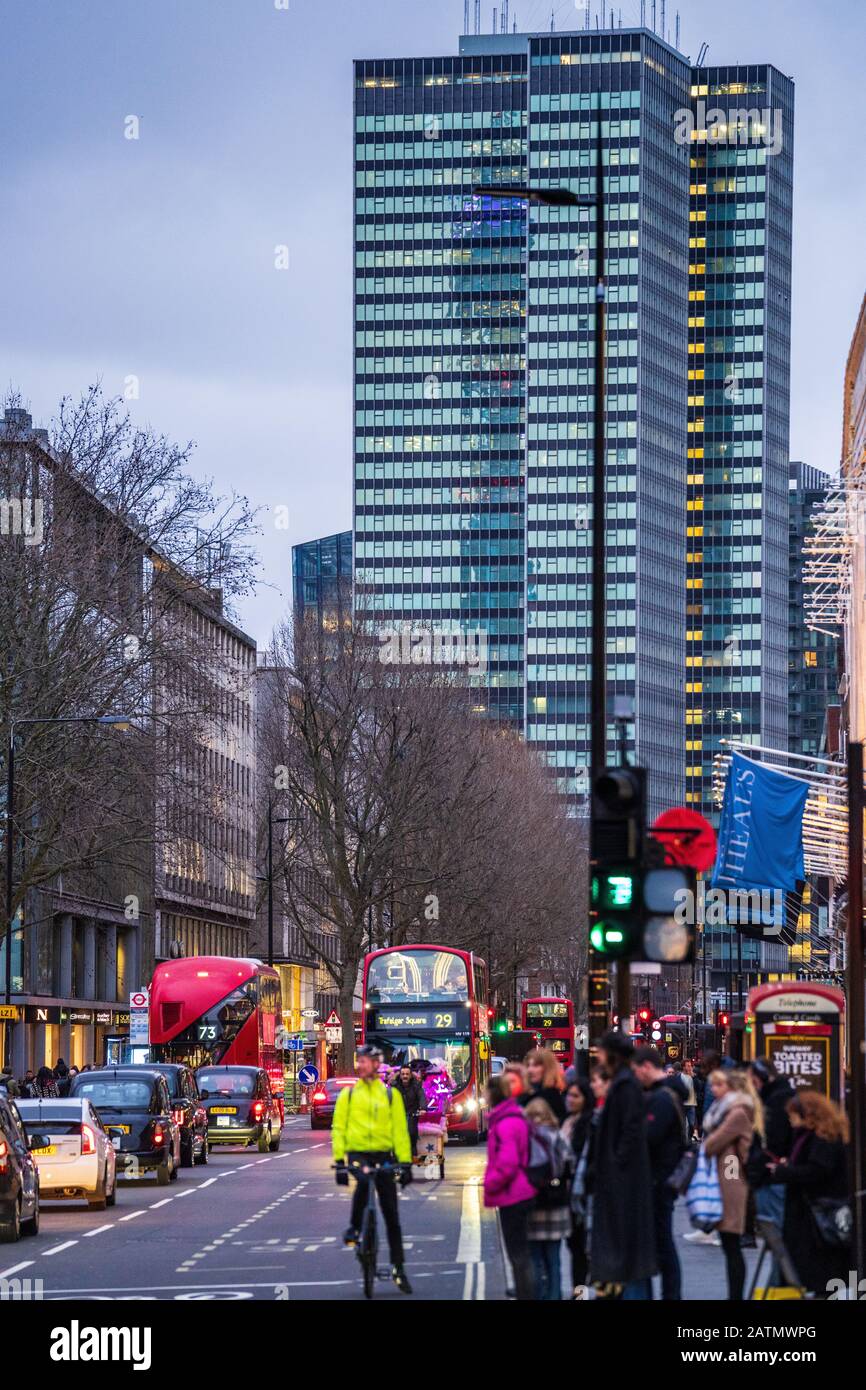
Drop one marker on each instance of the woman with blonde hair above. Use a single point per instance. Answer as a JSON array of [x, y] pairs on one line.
[[730, 1124], [816, 1178], [546, 1081]]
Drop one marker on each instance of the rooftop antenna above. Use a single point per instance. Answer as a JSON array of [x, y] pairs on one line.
[[588, 16], [478, 16], [552, 23], [514, 30], [663, 20], [603, 16], [702, 55], [620, 19], [494, 19], [677, 44], [654, 16], [466, 16], [643, 14], [505, 16]]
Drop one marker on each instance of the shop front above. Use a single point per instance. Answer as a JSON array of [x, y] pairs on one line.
[[43, 1033]]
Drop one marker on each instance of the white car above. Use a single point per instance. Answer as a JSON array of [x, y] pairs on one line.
[[73, 1153]]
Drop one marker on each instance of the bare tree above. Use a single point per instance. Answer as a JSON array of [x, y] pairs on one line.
[[409, 818], [99, 602]]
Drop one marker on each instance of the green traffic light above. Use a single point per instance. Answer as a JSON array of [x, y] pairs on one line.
[[502, 1027], [620, 890]]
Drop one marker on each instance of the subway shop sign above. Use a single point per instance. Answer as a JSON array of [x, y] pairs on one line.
[[423, 1020]]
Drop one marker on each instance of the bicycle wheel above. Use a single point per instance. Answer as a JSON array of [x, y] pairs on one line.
[[367, 1251]]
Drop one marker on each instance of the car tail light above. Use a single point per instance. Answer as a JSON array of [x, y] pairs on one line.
[[258, 1111], [88, 1140], [319, 1096], [158, 1135], [4, 1154], [178, 1115]]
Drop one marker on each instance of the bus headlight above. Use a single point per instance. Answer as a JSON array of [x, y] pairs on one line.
[[471, 1105]]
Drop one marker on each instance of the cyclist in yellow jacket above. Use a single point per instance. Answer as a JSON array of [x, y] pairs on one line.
[[370, 1126]]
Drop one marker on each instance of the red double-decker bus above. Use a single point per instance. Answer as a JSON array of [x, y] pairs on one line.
[[552, 1021], [217, 1010], [429, 1003]]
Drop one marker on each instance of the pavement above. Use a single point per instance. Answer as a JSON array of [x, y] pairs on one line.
[[260, 1227]]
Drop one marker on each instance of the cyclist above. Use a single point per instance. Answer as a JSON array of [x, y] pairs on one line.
[[370, 1127]]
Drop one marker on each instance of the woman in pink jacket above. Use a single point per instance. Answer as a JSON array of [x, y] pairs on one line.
[[506, 1185]]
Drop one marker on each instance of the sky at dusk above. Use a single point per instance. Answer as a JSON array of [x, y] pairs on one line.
[[154, 257]]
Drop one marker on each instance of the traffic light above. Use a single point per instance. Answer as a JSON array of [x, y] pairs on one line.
[[644, 1015], [639, 909], [723, 1019], [501, 1025]]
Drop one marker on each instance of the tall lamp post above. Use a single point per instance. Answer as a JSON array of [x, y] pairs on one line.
[[558, 198]]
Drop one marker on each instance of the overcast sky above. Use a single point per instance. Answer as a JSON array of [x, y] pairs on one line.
[[155, 257]]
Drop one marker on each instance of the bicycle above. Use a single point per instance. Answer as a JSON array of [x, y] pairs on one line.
[[367, 1244]]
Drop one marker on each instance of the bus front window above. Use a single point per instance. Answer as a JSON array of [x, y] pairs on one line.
[[415, 976], [450, 1055]]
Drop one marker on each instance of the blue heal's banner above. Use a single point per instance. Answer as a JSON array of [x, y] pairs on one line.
[[761, 828]]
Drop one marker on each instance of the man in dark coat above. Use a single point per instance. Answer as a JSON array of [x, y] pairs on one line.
[[622, 1249], [414, 1100], [666, 1138]]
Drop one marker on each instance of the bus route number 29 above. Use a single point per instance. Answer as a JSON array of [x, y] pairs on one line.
[[444, 1020]]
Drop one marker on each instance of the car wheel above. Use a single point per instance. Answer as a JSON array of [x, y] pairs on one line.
[[111, 1197], [163, 1173], [205, 1151], [10, 1229], [274, 1145], [265, 1140], [31, 1226], [187, 1154], [175, 1168]]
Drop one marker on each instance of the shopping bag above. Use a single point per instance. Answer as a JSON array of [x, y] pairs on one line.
[[704, 1195]]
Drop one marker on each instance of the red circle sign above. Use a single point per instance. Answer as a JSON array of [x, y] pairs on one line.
[[688, 838]]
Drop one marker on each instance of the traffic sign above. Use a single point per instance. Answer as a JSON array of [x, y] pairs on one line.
[[333, 1020], [687, 837], [334, 1036], [139, 999], [309, 1013], [308, 1076]]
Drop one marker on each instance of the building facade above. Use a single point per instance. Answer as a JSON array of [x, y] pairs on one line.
[[474, 386], [322, 580], [813, 674]]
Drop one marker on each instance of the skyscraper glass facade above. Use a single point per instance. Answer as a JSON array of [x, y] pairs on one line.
[[739, 348], [322, 580], [474, 387]]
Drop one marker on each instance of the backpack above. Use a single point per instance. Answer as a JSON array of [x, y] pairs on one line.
[[547, 1163]]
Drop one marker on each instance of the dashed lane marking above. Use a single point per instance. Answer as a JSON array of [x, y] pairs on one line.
[[190, 1263], [56, 1249], [132, 1215], [15, 1269], [98, 1231], [164, 1203]]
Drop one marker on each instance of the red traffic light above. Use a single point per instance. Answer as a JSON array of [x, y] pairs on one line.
[[644, 1015], [723, 1019]]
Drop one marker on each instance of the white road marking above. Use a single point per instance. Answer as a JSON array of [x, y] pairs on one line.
[[14, 1269], [56, 1249], [469, 1246], [205, 1184], [467, 1282], [164, 1203], [481, 1282], [132, 1215], [98, 1231]]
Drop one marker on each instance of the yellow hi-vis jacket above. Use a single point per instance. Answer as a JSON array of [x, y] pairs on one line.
[[368, 1118]]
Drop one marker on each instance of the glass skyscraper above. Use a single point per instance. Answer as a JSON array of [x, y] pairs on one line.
[[322, 580], [474, 384]]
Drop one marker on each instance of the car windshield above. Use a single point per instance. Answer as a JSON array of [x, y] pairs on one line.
[[223, 1083], [115, 1093]]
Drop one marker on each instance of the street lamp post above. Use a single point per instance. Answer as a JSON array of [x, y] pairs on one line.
[[272, 821], [563, 197]]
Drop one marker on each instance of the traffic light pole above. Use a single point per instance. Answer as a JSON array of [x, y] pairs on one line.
[[856, 1005]]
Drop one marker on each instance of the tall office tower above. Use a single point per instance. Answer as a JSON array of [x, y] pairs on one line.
[[322, 580], [739, 349], [813, 675], [474, 378]]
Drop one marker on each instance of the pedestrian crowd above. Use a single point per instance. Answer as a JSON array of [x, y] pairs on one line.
[[596, 1166], [48, 1083]]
